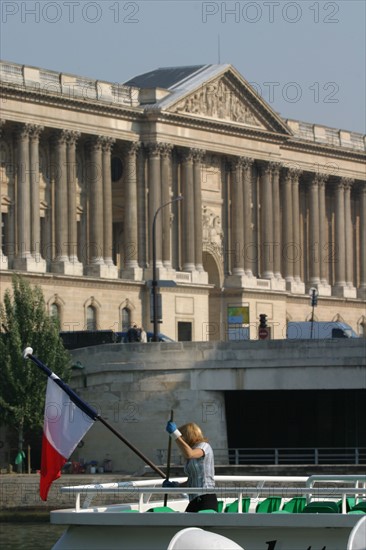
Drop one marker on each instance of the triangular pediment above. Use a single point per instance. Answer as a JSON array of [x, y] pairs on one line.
[[219, 100], [220, 93]]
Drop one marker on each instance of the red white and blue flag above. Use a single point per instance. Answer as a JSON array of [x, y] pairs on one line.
[[65, 424], [67, 418]]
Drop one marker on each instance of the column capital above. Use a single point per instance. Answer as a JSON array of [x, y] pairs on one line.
[[97, 143], [60, 137], [72, 136], [187, 155], [166, 150], [295, 174], [132, 148], [35, 131], [347, 183], [320, 179], [341, 184], [198, 154], [154, 149], [24, 131], [239, 162]]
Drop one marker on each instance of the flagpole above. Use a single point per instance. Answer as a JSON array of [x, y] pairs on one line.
[[28, 354]]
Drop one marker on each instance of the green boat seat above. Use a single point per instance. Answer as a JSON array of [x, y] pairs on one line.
[[293, 506], [350, 503], [360, 506], [161, 509], [220, 505], [208, 511], [356, 512], [269, 505], [322, 507], [233, 507]]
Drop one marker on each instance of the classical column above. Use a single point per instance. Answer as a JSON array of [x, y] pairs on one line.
[[3, 258], [287, 228], [166, 184], [323, 231], [35, 197], [96, 233], [362, 252], [296, 225], [314, 271], [237, 243], [348, 231], [267, 222], [340, 234], [154, 179], [108, 143], [276, 221], [188, 212], [61, 206], [23, 196], [72, 138], [142, 208], [198, 156], [249, 265], [130, 212]]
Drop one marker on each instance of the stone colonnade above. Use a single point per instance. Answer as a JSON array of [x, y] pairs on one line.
[[278, 230]]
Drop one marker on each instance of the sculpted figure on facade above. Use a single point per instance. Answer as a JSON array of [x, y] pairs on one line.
[[218, 100], [212, 232]]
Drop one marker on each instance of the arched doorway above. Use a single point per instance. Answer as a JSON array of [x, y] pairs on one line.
[[213, 266]]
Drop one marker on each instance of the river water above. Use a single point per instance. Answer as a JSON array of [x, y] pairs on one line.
[[29, 536]]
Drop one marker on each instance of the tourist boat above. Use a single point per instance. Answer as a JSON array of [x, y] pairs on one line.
[[256, 513]]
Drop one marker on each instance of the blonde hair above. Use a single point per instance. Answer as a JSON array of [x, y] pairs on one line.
[[192, 433]]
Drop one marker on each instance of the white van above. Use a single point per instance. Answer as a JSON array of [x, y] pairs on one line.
[[319, 330]]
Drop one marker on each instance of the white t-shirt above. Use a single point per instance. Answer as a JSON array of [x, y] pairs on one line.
[[201, 471]]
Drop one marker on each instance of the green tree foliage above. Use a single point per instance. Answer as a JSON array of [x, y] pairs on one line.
[[25, 322]]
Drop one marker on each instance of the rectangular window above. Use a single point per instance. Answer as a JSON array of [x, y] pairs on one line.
[[184, 331]]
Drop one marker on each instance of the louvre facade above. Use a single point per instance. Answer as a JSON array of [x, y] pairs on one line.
[[271, 207]]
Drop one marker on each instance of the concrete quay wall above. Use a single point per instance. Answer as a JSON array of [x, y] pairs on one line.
[[135, 386]]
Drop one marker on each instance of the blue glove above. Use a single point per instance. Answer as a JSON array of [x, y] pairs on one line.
[[167, 483], [171, 427], [172, 430]]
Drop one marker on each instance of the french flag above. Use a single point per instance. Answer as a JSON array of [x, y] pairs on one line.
[[67, 418]]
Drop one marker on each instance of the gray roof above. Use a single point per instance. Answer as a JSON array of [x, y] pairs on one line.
[[164, 77]]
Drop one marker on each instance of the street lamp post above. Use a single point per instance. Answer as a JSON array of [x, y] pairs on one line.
[[154, 283], [314, 302]]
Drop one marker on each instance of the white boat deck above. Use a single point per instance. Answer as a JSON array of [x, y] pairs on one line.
[[130, 521]]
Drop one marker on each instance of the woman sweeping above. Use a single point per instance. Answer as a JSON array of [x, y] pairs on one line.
[[199, 466]]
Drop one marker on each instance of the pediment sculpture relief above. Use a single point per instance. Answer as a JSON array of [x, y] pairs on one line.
[[212, 232], [218, 100]]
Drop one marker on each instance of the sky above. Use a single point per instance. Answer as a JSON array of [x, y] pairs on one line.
[[306, 58]]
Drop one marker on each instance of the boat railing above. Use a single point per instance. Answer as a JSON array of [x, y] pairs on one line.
[[279, 455], [233, 487]]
